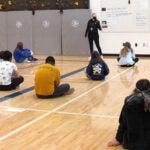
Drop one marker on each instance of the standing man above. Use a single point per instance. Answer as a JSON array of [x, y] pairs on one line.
[[92, 32]]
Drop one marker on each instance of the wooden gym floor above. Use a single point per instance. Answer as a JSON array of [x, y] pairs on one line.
[[84, 120]]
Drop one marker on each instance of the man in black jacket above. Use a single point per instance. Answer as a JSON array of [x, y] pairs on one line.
[[134, 123], [92, 31]]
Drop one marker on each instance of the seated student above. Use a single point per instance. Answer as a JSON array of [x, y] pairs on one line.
[[127, 57], [47, 81], [20, 54], [9, 77], [97, 69], [134, 123]]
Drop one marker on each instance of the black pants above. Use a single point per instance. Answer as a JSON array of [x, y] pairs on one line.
[[95, 38], [14, 83], [59, 91]]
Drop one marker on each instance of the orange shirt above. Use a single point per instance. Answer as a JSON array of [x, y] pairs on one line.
[[46, 78]]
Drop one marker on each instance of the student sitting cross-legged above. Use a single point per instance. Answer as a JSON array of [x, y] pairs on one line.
[[127, 56], [21, 54], [47, 81], [97, 69], [133, 132], [9, 77]]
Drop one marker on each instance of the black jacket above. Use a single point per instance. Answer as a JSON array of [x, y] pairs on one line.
[[92, 27], [134, 124]]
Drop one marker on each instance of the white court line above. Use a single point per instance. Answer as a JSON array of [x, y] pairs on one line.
[[88, 115], [14, 109], [61, 106], [19, 109]]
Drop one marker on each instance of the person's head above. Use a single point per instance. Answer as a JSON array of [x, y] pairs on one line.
[[19, 46], [7, 55], [96, 55], [127, 44], [1, 54], [143, 85], [94, 16], [50, 60]]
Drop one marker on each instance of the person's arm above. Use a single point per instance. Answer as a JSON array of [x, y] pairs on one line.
[[57, 81], [122, 125], [89, 69], [21, 53], [106, 69], [27, 52], [15, 72], [133, 55], [99, 26]]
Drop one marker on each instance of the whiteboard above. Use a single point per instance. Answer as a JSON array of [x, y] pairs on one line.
[[125, 15]]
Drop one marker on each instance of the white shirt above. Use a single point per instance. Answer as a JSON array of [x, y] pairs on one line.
[[6, 72], [128, 59]]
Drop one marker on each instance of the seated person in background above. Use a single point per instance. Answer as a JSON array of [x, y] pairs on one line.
[[127, 57], [97, 69], [9, 77], [20, 54], [134, 123], [47, 81]]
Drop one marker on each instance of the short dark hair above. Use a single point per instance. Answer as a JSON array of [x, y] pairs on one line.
[[1, 54], [143, 84], [7, 55], [50, 60]]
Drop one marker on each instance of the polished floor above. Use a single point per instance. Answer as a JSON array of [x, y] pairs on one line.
[[84, 120]]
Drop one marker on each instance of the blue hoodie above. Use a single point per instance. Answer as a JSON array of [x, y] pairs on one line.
[[21, 54]]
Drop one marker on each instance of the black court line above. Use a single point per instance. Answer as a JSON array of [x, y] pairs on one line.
[[33, 64], [32, 88]]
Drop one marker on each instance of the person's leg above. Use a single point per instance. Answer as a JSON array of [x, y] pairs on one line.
[[61, 90], [136, 60], [90, 38], [5, 88], [126, 65], [96, 40], [31, 58], [21, 60], [16, 82]]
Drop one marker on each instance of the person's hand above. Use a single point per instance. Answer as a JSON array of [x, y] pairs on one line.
[[113, 143]]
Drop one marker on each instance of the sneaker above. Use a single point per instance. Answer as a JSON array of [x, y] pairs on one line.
[[34, 59], [70, 91]]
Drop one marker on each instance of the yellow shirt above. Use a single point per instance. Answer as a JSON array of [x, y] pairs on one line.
[[46, 78]]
